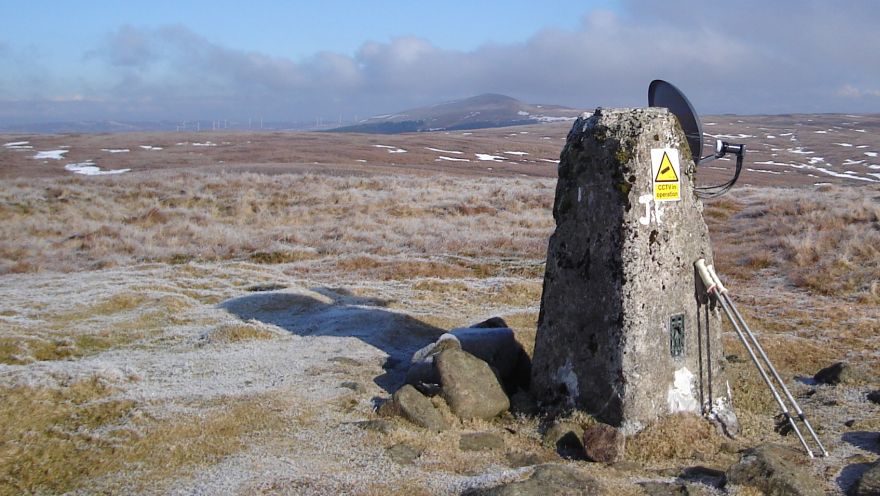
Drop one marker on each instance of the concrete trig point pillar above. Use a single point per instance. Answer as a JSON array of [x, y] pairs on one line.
[[622, 334]]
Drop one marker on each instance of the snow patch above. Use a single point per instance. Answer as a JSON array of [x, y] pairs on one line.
[[115, 150], [50, 154], [90, 169], [843, 144], [18, 145], [800, 151], [439, 150], [450, 159], [151, 147], [871, 154], [489, 158], [391, 149], [516, 153]]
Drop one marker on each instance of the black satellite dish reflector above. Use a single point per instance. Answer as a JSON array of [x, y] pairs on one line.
[[663, 94]]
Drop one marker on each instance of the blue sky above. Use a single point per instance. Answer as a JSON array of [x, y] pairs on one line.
[[301, 60]]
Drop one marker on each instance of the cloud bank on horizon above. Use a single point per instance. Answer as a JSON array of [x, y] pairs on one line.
[[752, 57]]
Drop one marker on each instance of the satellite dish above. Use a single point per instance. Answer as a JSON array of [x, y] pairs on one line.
[[663, 94]]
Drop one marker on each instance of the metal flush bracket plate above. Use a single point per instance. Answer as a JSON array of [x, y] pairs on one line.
[[676, 335]]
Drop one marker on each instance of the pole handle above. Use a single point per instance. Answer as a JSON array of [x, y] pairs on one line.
[[706, 277], [720, 287]]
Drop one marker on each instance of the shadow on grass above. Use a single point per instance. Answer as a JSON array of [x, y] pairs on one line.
[[339, 313]]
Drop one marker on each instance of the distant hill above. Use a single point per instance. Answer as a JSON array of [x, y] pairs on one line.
[[483, 111]]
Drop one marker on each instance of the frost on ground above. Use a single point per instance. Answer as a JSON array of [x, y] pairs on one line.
[[203, 334]]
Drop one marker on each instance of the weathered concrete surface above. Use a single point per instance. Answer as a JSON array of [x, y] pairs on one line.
[[619, 265]]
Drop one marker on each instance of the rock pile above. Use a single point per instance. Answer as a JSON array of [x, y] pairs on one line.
[[470, 368]]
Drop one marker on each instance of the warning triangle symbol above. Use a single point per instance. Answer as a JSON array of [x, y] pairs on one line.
[[666, 172]]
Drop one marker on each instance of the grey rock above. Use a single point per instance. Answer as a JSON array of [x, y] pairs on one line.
[[558, 480], [422, 374], [619, 267], [403, 453], [869, 483], [418, 409], [496, 346], [839, 373], [469, 386], [776, 470], [603, 443], [565, 437], [480, 441]]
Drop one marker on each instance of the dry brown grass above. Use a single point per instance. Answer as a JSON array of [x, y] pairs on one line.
[[234, 333], [122, 319], [73, 223], [826, 241], [675, 437], [60, 439]]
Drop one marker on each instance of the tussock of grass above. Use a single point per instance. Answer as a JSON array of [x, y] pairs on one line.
[[50, 439], [680, 436], [234, 333]]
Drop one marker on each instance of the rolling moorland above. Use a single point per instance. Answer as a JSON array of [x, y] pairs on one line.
[[215, 313]]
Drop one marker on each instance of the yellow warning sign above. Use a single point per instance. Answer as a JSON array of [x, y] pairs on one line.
[[665, 174]]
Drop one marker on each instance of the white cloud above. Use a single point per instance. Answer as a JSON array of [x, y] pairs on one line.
[[755, 56]]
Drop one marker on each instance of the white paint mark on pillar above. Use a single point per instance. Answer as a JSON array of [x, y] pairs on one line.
[[653, 210], [681, 395], [566, 376], [580, 193]]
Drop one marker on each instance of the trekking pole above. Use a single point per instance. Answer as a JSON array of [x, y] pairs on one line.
[[797, 408], [794, 403], [714, 286]]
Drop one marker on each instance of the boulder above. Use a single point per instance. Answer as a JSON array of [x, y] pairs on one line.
[[418, 409], [869, 483], [874, 396], [565, 437], [480, 441], [603, 443], [496, 346], [558, 480], [422, 374], [469, 386], [839, 373], [776, 470]]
